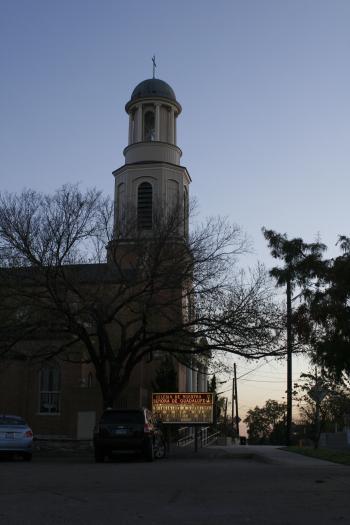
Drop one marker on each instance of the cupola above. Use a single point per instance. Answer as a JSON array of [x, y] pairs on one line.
[[153, 110]]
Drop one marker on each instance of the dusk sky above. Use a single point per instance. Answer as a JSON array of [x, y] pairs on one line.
[[264, 86]]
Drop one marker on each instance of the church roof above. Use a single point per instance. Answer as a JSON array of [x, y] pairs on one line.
[[153, 87], [79, 273]]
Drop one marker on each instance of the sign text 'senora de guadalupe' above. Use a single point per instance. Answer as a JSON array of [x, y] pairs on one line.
[[184, 407]]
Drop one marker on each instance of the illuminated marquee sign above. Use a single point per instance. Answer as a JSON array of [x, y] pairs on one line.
[[185, 407]]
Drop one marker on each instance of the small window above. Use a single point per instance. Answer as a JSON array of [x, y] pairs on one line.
[[50, 390], [144, 206], [149, 133]]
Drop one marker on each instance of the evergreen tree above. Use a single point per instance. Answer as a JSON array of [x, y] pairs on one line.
[[324, 320], [302, 262]]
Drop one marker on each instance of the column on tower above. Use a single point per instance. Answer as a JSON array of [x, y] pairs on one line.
[[131, 122], [138, 137], [157, 121], [202, 380], [194, 381], [171, 125], [188, 379]]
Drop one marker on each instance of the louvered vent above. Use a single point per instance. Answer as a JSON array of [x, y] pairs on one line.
[[144, 206]]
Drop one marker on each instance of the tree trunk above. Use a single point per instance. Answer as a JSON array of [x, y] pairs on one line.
[[110, 392]]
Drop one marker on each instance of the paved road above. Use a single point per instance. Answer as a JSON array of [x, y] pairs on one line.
[[262, 486]]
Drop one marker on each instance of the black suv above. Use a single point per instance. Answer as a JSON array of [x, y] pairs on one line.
[[124, 430]]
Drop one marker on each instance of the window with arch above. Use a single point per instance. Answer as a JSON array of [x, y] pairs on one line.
[[144, 206], [149, 130], [50, 389]]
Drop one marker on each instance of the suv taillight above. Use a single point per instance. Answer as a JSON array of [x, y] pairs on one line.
[[28, 434], [147, 428]]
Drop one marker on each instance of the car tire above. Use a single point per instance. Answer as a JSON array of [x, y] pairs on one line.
[[160, 448], [99, 455], [27, 456]]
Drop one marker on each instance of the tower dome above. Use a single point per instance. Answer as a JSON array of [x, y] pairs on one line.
[[153, 87]]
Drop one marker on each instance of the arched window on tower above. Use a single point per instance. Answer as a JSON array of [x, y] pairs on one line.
[[149, 129], [144, 206]]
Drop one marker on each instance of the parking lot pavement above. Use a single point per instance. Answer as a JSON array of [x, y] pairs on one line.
[[215, 490]]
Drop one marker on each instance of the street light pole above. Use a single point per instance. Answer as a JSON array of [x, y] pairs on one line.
[[289, 363], [233, 405], [236, 399]]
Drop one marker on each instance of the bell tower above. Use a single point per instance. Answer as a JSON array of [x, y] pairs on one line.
[[151, 183]]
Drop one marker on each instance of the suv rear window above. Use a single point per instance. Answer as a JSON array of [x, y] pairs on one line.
[[123, 417]]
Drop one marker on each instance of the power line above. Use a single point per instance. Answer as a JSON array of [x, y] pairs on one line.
[[269, 376], [253, 380], [250, 372], [256, 368], [262, 381]]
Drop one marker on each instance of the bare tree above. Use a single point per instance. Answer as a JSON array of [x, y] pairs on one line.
[[157, 291]]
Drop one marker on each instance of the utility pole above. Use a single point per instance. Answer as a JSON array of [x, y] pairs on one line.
[[289, 363], [236, 398], [233, 406], [225, 418], [317, 413]]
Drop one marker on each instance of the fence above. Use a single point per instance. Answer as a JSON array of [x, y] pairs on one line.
[[188, 436]]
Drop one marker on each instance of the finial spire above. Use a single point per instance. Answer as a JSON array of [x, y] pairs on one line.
[[154, 65]]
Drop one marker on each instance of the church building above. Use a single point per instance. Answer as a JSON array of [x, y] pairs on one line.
[[65, 399]]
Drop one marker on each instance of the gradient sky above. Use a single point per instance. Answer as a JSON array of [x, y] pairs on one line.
[[264, 86]]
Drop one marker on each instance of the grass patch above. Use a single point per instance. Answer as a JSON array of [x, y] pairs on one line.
[[336, 456]]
